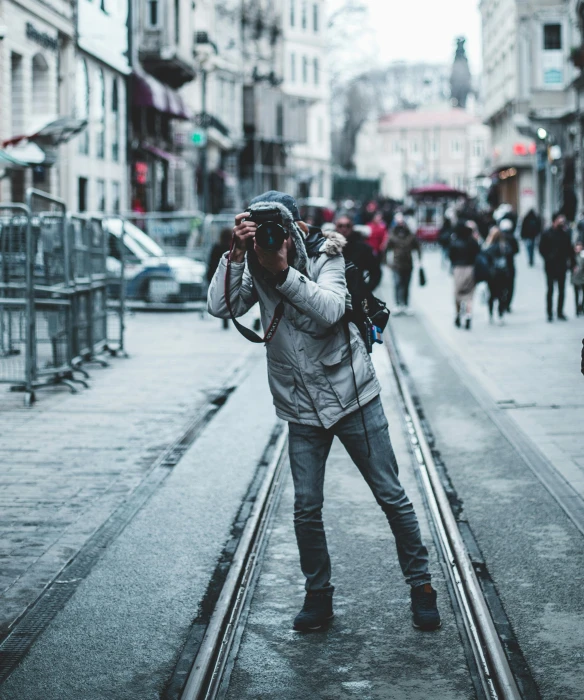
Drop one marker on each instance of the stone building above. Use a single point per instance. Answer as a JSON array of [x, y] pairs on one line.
[[526, 82], [305, 77], [36, 36], [416, 147]]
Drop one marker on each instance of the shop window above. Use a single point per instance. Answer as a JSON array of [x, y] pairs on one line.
[[552, 37], [100, 194], [116, 197], [115, 121], [153, 13], [100, 114], [82, 194], [82, 104], [17, 95], [40, 86]]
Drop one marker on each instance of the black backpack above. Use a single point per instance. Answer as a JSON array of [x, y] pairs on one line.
[[367, 312]]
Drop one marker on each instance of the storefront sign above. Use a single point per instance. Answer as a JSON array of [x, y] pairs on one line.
[[141, 173], [42, 38]]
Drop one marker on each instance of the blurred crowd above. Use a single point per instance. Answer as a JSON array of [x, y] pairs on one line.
[[477, 247]]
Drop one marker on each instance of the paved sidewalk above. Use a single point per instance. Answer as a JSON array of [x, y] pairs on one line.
[[530, 368], [71, 460]]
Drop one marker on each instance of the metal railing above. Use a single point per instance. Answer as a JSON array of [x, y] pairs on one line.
[[53, 295]]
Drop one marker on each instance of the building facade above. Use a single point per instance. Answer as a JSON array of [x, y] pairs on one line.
[[526, 81], [305, 77], [162, 41], [416, 147], [36, 39], [93, 165]]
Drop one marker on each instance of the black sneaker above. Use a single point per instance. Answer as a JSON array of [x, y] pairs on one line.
[[424, 609], [316, 612], [561, 317], [457, 321], [467, 324]]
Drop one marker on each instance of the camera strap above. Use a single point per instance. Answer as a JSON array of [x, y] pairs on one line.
[[247, 332]]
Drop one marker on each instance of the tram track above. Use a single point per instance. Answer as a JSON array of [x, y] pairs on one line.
[[496, 678]]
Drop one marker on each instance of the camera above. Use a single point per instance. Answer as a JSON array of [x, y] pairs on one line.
[[270, 233]]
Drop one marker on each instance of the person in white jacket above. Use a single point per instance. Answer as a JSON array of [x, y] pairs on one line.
[[324, 385]]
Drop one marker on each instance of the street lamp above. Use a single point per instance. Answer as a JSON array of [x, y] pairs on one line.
[[204, 52], [542, 133]]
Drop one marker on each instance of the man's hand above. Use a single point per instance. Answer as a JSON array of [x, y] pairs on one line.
[[273, 261], [243, 230]]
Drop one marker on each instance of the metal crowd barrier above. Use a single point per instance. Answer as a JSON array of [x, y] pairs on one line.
[[54, 281]]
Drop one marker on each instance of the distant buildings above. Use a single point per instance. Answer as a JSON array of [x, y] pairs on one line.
[[414, 147], [175, 105], [527, 78]]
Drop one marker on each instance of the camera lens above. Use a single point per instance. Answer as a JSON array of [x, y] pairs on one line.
[[270, 236]]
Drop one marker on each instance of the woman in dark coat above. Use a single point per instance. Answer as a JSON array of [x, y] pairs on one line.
[[463, 252], [497, 251]]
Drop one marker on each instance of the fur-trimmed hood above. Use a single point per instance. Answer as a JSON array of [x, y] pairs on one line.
[[307, 246]]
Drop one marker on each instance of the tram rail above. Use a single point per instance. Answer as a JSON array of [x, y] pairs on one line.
[[206, 679]]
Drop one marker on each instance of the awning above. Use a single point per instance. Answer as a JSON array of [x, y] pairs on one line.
[[7, 160], [159, 153], [149, 92], [438, 189], [27, 152], [51, 132]]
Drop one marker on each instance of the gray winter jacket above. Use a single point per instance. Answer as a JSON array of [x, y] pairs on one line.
[[309, 358]]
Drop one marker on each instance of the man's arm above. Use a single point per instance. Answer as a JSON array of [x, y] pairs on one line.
[[242, 293], [322, 301]]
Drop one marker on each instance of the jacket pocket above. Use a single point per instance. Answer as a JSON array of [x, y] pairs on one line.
[[346, 368], [283, 387]]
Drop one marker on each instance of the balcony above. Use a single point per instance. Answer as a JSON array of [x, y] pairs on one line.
[[162, 59]]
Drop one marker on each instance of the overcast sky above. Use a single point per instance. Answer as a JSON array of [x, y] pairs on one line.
[[424, 30]]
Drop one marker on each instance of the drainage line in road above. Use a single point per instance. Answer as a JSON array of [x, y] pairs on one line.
[[497, 678], [51, 601]]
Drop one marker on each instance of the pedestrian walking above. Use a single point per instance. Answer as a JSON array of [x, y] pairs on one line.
[[217, 252], [555, 247], [496, 250], [578, 278], [530, 232], [379, 235], [358, 252], [324, 385], [444, 236], [507, 228], [402, 242], [464, 249]]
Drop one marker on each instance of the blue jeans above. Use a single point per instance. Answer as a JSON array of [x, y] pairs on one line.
[[309, 448]]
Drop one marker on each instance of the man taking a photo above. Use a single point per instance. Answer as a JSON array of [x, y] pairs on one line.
[[323, 384]]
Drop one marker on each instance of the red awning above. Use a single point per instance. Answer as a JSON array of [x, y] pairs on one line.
[[149, 92], [159, 153], [437, 190], [52, 133]]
